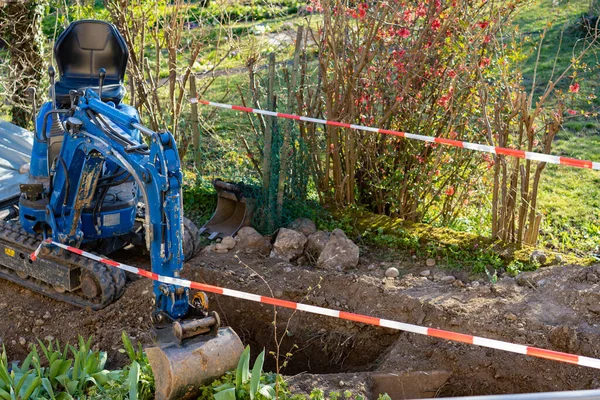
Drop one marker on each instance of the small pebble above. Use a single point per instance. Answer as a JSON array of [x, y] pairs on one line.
[[430, 262], [342, 383], [47, 315], [39, 322], [145, 292], [287, 269], [458, 283], [510, 316], [392, 272], [447, 279], [425, 273], [475, 284], [22, 341], [49, 338]]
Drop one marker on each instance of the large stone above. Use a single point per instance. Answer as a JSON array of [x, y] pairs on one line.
[[315, 245], [289, 244], [250, 241], [303, 225], [339, 253]]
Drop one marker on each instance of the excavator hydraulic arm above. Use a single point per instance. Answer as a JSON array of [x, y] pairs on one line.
[[99, 136]]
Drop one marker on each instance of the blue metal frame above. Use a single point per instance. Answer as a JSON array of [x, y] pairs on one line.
[[158, 176]]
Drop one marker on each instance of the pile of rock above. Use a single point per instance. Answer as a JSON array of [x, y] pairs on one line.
[[247, 240], [300, 242]]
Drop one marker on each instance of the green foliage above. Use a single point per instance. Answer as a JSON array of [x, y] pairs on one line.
[[247, 384], [238, 11], [75, 372], [135, 381], [70, 372], [199, 199], [515, 267], [58, 18], [477, 259]]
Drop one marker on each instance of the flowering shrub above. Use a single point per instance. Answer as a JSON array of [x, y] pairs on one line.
[[412, 66]]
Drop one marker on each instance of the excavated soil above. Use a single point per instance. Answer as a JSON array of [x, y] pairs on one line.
[[556, 308]]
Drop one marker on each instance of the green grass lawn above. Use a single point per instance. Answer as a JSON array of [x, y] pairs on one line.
[[569, 197]]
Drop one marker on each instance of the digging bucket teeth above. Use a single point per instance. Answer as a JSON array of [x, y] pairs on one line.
[[180, 370], [234, 211]]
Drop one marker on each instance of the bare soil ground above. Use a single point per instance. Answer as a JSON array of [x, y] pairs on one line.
[[556, 308]]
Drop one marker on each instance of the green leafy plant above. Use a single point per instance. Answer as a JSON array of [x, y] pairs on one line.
[[20, 382], [248, 383], [134, 382], [64, 378], [75, 372]]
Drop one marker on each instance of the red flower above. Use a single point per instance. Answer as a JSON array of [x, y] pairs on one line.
[[452, 74], [309, 9], [487, 39], [403, 32], [483, 24], [574, 88], [485, 61], [362, 10], [435, 25], [450, 191], [445, 99], [572, 112]]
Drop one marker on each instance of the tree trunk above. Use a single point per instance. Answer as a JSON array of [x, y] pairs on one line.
[[21, 29]]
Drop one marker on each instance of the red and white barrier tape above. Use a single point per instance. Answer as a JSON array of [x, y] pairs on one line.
[[386, 323], [528, 155]]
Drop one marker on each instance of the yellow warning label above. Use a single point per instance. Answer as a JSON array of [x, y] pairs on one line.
[[9, 252]]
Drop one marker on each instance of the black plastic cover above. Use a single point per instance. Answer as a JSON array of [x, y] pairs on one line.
[[81, 50]]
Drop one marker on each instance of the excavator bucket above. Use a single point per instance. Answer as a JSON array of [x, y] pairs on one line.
[[180, 370], [234, 211]]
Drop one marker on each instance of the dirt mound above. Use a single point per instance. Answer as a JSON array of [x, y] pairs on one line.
[[555, 308]]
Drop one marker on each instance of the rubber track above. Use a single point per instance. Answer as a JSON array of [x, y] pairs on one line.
[[111, 280]]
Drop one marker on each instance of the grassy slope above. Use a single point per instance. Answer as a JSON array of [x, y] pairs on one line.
[[569, 197]]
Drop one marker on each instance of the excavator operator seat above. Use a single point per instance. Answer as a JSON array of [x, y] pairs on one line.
[[81, 50]]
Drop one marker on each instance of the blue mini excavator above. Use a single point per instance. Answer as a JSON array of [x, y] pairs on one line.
[[100, 180]]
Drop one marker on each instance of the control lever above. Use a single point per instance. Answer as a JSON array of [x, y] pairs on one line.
[[74, 96], [52, 74], [101, 76]]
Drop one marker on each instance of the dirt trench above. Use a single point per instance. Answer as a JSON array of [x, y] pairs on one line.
[[556, 308]]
